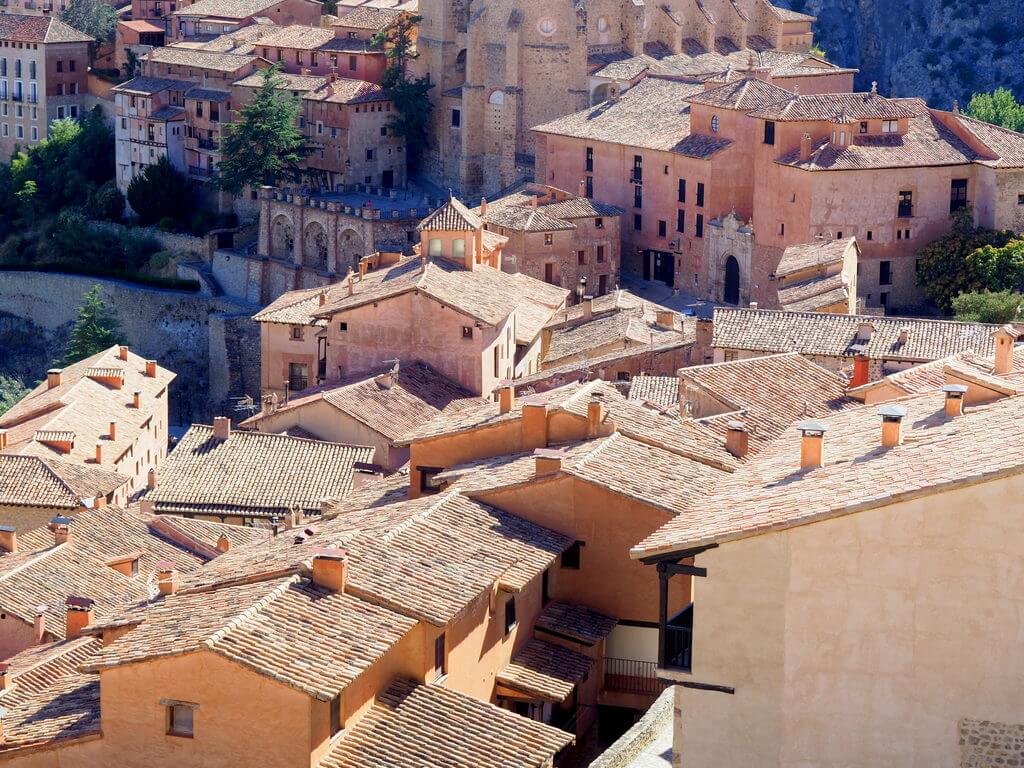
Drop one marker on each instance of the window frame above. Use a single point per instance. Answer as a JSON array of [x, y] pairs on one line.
[[510, 614], [171, 707]]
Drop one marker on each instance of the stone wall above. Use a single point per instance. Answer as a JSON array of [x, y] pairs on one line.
[[624, 753], [178, 329], [984, 744]]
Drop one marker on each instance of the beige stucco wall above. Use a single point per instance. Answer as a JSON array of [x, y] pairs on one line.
[[862, 640]]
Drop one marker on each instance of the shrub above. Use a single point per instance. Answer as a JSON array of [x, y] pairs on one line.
[[106, 203], [202, 222], [167, 224], [160, 192]]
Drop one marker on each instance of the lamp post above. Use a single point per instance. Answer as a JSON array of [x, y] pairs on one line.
[[581, 289]]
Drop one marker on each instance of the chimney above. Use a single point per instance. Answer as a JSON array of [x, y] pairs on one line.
[[323, 298], [534, 425], [483, 206], [506, 399], [61, 527], [166, 577], [811, 453], [53, 378], [5, 677], [151, 369], [583, 188], [805, 147], [548, 461], [99, 453], [533, 201], [350, 281], [954, 399], [122, 353], [667, 318], [223, 543], [737, 440], [753, 305], [221, 427], [39, 624], [588, 307], [99, 502], [151, 480], [80, 614], [860, 371], [147, 507], [137, 400], [595, 415], [892, 425], [1004, 339], [112, 434], [865, 330], [3, 439], [362, 268], [9, 539], [330, 568]]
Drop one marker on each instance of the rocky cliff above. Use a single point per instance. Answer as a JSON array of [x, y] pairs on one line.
[[938, 49]]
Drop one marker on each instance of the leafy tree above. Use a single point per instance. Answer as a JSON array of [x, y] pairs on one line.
[[95, 329], [106, 203], [945, 271], [409, 94], [1000, 268], [998, 108], [11, 391], [93, 17], [988, 307], [264, 145], [817, 50], [330, 7], [161, 191]]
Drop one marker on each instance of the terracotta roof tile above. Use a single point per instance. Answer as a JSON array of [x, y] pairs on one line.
[[193, 57], [745, 94], [1006, 145], [39, 29], [226, 9], [828, 106], [453, 216], [815, 294], [37, 482], [367, 17], [545, 671], [661, 390], [296, 36], [151, 85], [797, 258], [575, 622]]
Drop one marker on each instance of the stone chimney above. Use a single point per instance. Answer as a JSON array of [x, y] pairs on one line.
[[737, 440], [954, 399], [39, 623], [812, 444], [151, 369], [805, 146], [9, 539], [79, 614], [166, 577], [137, 400], [861, 371], [667, 318], [61, 527], [506, 399], [53, 378], [330, 568], [588, 307], [595, 415], [223, 543], [534, 425], [865, 330], [151, 479], [122, 353], [548, 461], [1003, 339], [221, 427], [892, 425]]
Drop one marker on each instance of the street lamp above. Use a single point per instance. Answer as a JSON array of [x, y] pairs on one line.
[[581, 289]]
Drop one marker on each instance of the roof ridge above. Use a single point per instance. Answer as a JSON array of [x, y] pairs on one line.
[[39, 556], [870, 318], [253, 609], [597, 450], [420, 516]]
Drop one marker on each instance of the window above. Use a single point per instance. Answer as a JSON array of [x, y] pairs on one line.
[[71, 65], [782, 228], [682, 190], [571, 557], [1020, 199], [599, 223], [589, 191], [343, 327], [180, 721], [863, 126], [700, 194], [440, 657], [297, 332], [548, 238], [883, 298], [428, 479], [369, 154], [35, 133], [31, 70], [497, 360], [353, 63], [298, 376], [60, 89], [124, 124], [906, 234], [638, 196], [769, 132], [885, 273], [456, 118], [839, 235], [459, 250], [871, 235], [680, 220], [899, 234], [549, 273], [638, 168], [467, 332], [434, 247], [714, 123], [3, 67], [600, 254], [700, 225], [905, 208], [890, 126], [510, 614], [545, 587], [589, 162], [638, 222], [336, 714], [662, 228], [581, 258], [622, 376], [957, 195]]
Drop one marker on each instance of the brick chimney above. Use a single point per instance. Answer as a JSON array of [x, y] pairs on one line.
[[61, 527], [363, 264], [39, 623], [9, 539], [112, 433], [667, 318], [122, 353], [330, 568], [99, 453], [5, 676], [548, 461], [483, 206], [151, 369], [166, 577], [151, 479], [861, 371], [3, 439], [954, 399], [805, 146], [595, 415], [80, 613], [53, 378], [223, 543], [1003, 339], [137, 400], [534, 425], [811, 446], [892, 425], [506, 399], [737, 440], [221, 427]]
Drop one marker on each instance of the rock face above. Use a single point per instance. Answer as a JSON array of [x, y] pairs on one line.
[[938, 49]]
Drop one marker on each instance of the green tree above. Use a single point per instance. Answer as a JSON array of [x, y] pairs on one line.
[[1000, 268], [944, 269], [411, 116], [264, 145], [998, 108], [11, 391], [95, 329], [93, 17], [161, 191], [106, 203], [988, 306]]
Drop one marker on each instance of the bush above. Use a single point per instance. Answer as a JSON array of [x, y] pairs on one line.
[[167, 224], [106, 203], [988, 307], [160, 192], [202, 222]]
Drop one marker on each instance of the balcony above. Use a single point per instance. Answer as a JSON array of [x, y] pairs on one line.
[[208, 144], [905, 210], [678, 641], [203, 173], [16, 97], [631, 676]]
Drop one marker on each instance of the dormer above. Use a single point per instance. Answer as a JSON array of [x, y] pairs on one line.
[[62, 441], [109, 377], [454, 233]]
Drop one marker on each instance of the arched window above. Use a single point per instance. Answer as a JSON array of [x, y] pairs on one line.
[[547, 26], [497, 98], [602, 24], [714, 123]]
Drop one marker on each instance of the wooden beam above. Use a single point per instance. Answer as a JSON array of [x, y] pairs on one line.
[[675, 557], [676, 569]]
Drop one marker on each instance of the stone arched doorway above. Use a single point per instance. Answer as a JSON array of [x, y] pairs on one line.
[[282, 238], [731, 294], [350, 249], [314, 246]]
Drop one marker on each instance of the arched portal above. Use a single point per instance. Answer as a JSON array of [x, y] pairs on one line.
[[281, 238], [350, 250], [314, 246], [731, 294]]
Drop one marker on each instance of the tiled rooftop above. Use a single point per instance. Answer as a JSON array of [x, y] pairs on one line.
[[24, 28], [192, 57], [516, 211], [253, 474], [622, 329], [296, 36], [37, 482], [660, 390], [366, 17], [820, 253], [225, 9], [575, 622], [829, 106], [151, 85], [545, 671], [453, 216], [815, 294], [744, 94]]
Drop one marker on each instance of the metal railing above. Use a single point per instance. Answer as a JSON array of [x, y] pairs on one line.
[[905, 211], [208, 144], [632, 676], [195, 170]]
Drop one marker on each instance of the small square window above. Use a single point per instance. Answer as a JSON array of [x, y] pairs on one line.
[[467, 332], [871, 235], [863, 126], [297, 332], [343, 327], [510, 614], [548, 238], [599, 222], [180, 720], [1020, 199], [571, 556]]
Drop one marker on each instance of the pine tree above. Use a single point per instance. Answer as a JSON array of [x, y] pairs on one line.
[[265, 145], [95, 329], [409, 95]]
